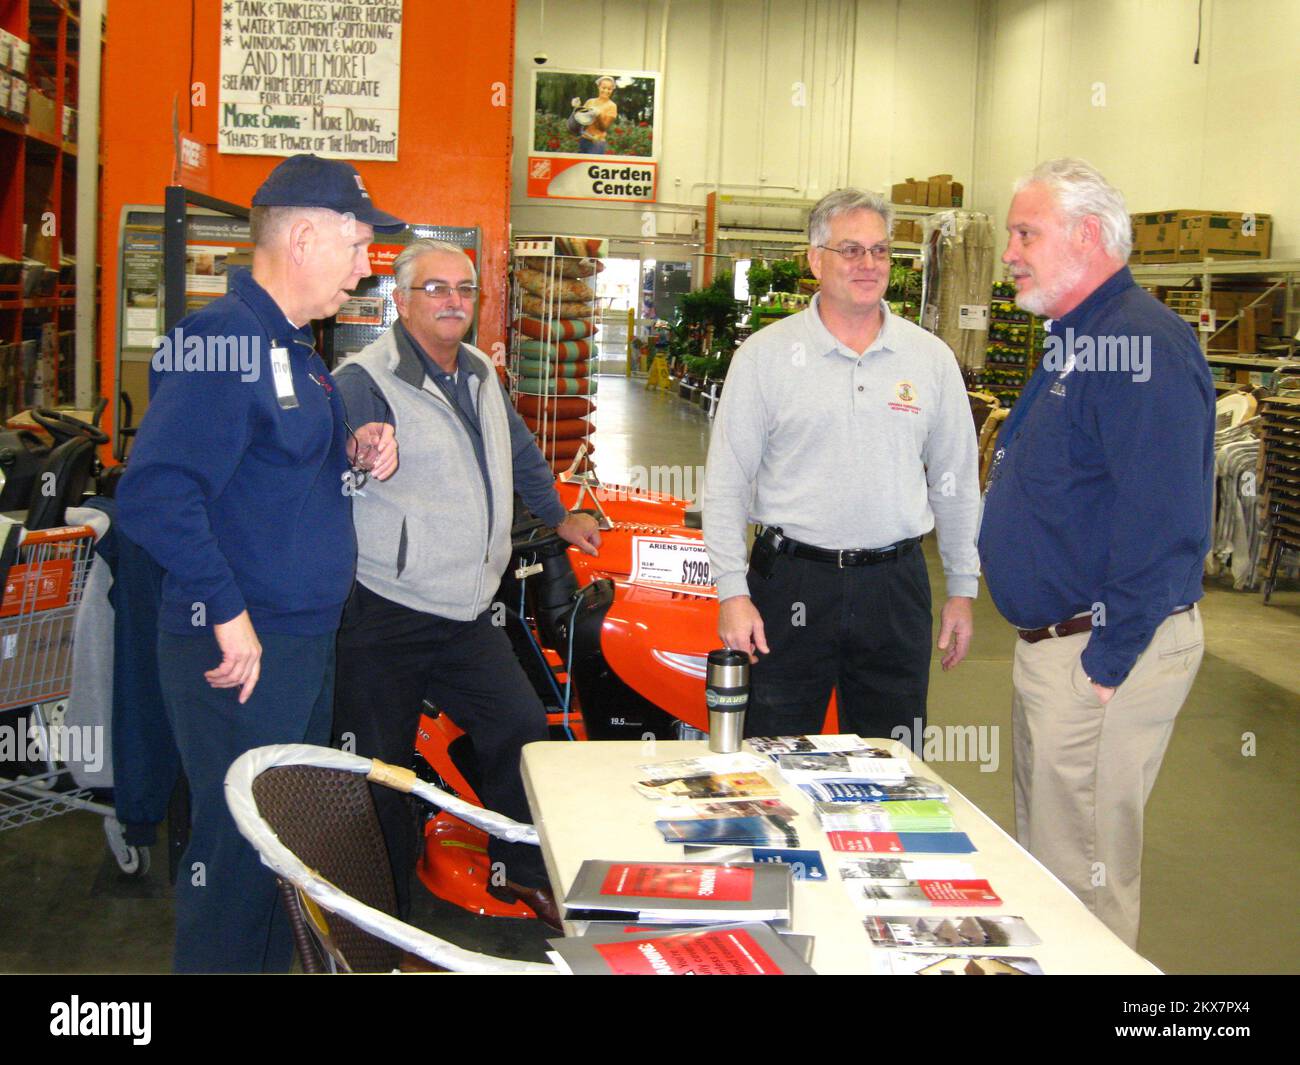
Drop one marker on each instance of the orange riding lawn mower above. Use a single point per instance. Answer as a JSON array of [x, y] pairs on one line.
[[615, 645]]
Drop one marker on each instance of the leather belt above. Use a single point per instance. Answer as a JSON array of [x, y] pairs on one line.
[[1074, 626], [856, 556]]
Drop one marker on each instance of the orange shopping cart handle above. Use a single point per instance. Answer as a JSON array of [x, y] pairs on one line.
[[36, 537]]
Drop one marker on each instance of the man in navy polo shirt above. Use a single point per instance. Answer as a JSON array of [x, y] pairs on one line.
[[1096, 522], [238, 487]]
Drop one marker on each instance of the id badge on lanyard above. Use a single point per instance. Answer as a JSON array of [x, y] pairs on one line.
[[282, 374]]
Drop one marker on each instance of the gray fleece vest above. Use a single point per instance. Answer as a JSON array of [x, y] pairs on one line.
[[422, 536]]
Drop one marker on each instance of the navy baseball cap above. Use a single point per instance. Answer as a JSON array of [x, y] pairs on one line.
[[310, 181]]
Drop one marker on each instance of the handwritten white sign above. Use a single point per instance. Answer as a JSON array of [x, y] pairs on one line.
[[320, 77]]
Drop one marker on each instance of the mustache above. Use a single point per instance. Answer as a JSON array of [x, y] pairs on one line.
[[453, 314]]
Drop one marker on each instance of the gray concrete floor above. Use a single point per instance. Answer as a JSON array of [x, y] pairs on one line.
[[1222, 826]]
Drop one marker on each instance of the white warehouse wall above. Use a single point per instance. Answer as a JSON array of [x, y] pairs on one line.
[[1113, 81], [888, 85]]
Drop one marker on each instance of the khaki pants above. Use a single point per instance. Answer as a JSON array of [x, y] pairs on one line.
[[1083, 772]]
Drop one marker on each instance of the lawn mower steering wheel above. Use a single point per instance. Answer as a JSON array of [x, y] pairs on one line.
[[534, 535], [63, 426]]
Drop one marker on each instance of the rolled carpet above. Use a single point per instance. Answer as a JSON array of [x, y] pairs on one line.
[[538, 406]]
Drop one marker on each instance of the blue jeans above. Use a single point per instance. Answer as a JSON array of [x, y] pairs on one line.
[[228, 915], [587, 146]]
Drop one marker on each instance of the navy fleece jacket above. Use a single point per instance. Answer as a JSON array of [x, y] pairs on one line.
[[235, 491]]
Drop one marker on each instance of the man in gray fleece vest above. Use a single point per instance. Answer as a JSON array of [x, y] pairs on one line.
[[432, 543], [846, 433]]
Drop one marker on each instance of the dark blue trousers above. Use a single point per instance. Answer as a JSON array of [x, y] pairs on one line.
[[228, 917]]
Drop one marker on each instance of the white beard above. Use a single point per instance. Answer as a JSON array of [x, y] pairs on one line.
[[1040, 300]]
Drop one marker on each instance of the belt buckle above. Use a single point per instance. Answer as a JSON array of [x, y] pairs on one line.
[[840, 557], [1051, 630]]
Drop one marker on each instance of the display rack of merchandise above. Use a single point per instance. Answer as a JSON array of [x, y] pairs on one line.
[[1250, 306], [1014, 346], [1280, 498], [958, 261], [554, 316], [39, 45]]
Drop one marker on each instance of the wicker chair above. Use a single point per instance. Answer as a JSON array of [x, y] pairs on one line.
[[309, 814]]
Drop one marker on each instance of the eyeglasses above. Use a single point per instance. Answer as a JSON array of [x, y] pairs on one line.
[[440, 290], [363, 454], [853, 251]]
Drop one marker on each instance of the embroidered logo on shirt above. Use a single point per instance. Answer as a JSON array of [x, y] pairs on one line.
[[1058, 388], [906, 395]]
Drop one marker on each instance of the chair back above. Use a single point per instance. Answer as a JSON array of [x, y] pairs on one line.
[[327, 818]]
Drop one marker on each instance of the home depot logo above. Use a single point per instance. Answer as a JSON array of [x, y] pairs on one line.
[[540, 169]]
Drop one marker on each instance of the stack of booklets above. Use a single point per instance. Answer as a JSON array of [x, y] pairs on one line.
[[887, 843], [770, 745], [927, 815], [939, 882], [948, 932], [936, 963], [679, 892], [722, 777], [856, 791], [865, 764], [744, 823], [752, 949]]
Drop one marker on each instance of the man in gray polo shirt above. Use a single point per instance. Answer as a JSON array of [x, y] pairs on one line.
[[845, 433]]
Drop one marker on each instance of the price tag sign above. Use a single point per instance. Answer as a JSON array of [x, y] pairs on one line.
[[680, 565]]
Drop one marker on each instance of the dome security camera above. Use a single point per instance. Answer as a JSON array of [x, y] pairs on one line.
[[540, 59]]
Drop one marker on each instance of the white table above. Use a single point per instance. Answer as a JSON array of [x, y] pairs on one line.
[[584, 806]]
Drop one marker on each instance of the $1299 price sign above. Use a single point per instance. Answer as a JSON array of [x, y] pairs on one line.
[[668, 562]]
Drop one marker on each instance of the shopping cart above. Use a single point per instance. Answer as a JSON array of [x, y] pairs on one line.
[[42, 590]]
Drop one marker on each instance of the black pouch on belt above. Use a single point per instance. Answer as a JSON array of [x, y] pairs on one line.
[[763, 556]]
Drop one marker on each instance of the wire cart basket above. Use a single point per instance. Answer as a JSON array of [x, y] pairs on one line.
[[42, 591]]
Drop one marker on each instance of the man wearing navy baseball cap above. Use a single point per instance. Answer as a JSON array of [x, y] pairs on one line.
[[240, 487]]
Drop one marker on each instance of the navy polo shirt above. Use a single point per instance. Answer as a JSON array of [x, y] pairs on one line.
[[1101, 495]]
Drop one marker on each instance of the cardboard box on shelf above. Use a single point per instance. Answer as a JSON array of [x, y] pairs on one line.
[[40, 113], [1223, 234], [6, 48], [19, 50], [1189, 236], [4, 92], [903, 192], [69, 123], [906, 230], [18, 97]]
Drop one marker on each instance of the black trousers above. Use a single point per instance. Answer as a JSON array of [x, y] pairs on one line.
[[863, 631], [389, 659]]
